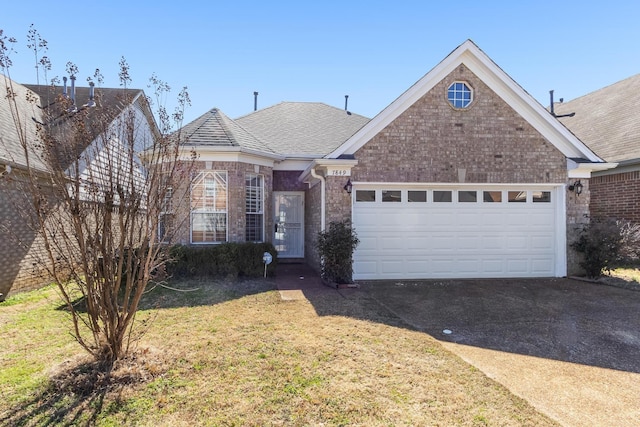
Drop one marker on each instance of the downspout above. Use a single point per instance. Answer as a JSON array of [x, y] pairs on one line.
[[322, 197]]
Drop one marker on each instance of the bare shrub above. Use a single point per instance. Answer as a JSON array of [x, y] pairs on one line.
[[95, 181]]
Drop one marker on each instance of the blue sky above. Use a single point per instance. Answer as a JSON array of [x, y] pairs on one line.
[[321, 51]]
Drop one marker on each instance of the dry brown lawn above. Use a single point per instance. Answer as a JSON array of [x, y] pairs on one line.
[[236, 354]]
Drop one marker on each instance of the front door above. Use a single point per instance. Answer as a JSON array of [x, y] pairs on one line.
[[289, 224]]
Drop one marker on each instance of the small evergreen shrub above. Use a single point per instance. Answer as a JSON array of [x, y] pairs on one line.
[[226, 259], [600, 243], [335, 246]]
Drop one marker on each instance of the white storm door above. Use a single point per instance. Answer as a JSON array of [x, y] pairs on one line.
[[289, 224]]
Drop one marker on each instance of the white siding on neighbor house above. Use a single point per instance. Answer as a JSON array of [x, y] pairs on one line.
[[456, 239]]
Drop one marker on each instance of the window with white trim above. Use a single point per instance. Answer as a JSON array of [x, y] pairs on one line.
[[165, 219], [254, 208], [209, 207], [459, 95]]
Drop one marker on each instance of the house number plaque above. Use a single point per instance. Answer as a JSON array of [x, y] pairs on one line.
[[332, 171]]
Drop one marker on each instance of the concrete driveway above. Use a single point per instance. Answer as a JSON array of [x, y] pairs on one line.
[[570, 348]]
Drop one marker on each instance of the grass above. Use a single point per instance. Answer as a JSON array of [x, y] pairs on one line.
[[627, 277], [236, 354]]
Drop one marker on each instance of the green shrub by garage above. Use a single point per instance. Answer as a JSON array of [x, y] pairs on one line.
[[223, 260]]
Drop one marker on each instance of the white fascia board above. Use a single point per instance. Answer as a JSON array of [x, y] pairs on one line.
[[229, 154], [215, 150], [623, 166], [497, 80], [584, 170], [292, 165]]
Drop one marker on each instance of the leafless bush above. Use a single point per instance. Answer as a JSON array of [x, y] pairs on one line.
[[95, 181]]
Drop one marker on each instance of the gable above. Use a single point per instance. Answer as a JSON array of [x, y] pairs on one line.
[[469, 55], [16, 113], [488, 141]]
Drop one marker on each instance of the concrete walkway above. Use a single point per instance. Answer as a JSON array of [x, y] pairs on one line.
[[294, 279]]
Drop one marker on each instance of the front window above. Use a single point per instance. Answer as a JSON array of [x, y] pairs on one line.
[[459, 95], [209, 207], [254, 203], [165, 220]]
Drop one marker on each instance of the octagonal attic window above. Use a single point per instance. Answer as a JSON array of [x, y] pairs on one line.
[[459, 95]]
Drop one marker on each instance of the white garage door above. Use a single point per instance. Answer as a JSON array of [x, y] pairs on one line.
[[458, 232]]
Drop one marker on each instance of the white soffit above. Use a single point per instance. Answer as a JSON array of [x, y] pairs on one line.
[[497, 80]]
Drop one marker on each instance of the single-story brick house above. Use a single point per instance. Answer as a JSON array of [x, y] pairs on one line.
[[608, 121], [464, 175]]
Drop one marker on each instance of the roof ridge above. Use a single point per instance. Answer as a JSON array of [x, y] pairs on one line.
[[602, 89], [223, 121]]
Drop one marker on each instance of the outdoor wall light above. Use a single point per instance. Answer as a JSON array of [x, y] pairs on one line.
[[576, 187], [348, 186]]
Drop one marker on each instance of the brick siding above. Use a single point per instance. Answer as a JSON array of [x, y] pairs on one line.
[[288, 181], [22, 254], [616, 196]]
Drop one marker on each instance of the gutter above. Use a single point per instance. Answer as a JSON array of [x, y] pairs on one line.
[[584, 170], [322, 196]]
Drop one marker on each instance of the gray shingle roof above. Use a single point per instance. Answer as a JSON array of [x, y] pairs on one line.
[[62, 125], [214, 128], [607, 120], [302, 128], [11, 149]]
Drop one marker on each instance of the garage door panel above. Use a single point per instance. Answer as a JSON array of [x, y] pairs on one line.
[[518, 266], [468, 266], [492, 267], [365, 268], [442, 267], [517, 242], [516, 219], [543, 266], [469, 243], [456, 239], [492, 219], [441, 243], [392, 244], [368, 245], [492, 242], [439, 219], [542, 242]]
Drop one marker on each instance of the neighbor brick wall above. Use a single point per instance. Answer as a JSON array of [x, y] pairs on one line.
[[22, 253], [616, 196]]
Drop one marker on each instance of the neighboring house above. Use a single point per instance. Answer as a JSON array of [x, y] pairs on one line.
[[16, 266], [465, 175], [21, 251], [608, 121]]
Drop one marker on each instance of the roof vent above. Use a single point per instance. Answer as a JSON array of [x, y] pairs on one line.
[[255, 101], [64, 88], [92, 102], [553, 112], [73, 107]]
